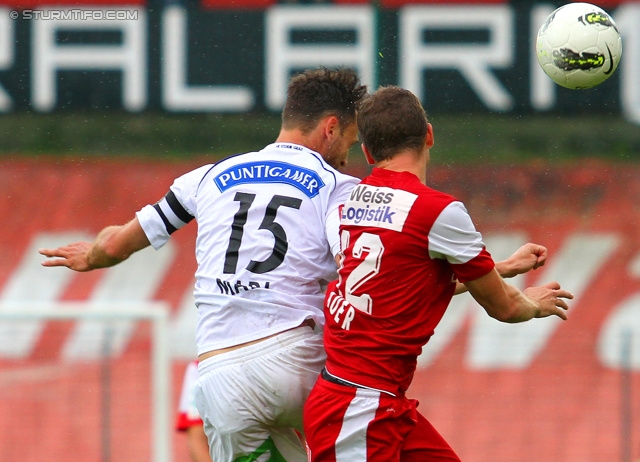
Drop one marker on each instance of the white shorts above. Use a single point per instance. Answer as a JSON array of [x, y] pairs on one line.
[[251, 399]]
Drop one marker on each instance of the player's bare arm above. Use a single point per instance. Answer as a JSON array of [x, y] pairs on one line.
[[528, 257], [508, 304], [112, 245]]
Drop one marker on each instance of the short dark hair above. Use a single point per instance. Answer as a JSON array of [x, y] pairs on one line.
[[391, 120], [317, 93]]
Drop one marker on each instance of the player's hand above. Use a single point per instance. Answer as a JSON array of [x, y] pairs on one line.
[[529, 256], [73, 256], [551, 300]]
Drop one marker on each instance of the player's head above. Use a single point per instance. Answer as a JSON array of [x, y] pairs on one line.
[[325, 100], [316, 93], [392, 120]]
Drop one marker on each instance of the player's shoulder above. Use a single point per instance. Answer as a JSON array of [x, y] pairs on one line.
[[408, 182], [436, 194], [344, 179], [330, 173], [190, 181], [199, 174], [412, 183], [233, 159], [432, 202]]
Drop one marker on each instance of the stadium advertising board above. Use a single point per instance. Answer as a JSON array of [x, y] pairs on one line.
[[221, 56]]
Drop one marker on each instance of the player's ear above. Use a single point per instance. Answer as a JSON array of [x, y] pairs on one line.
[[367, 154], [429, 139], [331, 127]]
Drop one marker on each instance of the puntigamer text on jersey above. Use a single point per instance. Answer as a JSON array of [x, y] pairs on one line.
[[307, 181]]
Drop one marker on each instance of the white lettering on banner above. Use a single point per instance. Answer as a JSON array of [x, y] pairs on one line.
[[138, 279], [283, 56], [6, 54], [542, 88], [473, 61], [31, 282], [496, 345], [627, 18], [619, 341], [176, 95], [48, 57]]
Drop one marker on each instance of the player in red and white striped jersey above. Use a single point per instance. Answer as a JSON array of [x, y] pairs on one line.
[[406, 250]]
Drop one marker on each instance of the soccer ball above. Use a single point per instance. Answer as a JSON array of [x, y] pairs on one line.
[[579, 46]]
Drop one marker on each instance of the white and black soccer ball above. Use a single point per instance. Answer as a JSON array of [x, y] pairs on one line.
[[579, 46]]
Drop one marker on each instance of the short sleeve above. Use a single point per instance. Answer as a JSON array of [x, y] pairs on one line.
[[174, 210], [453, 237], [337, 200]]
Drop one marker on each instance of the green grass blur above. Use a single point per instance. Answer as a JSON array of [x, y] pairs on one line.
[[469, 139]]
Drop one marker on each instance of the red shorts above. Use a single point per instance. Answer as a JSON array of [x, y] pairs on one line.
[[348, 424]]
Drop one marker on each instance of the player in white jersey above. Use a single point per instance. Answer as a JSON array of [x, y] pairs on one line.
[[267, 236]]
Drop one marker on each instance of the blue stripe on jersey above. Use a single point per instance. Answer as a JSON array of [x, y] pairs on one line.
[[307, 181]]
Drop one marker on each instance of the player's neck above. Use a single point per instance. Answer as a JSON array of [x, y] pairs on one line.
[[311, 140], [407, 161], [293, 137]]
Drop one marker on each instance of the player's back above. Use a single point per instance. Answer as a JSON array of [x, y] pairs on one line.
[[263, 251], [391, 292]]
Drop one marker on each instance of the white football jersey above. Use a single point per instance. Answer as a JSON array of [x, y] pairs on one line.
[[267, 235]]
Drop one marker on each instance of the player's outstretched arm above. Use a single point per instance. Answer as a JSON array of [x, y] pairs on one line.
[[528, 257], [508, 304], [112, 245]]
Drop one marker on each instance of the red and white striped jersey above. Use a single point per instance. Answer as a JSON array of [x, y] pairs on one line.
[[404, 246]]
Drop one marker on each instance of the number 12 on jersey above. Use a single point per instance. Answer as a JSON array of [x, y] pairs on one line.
[[367, 248]]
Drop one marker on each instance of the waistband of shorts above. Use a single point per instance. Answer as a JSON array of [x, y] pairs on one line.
[[255, 350], [329, 377]]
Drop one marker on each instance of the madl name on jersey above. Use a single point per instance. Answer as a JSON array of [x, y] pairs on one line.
[[307, 181], [379, 207], [227, 287]]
